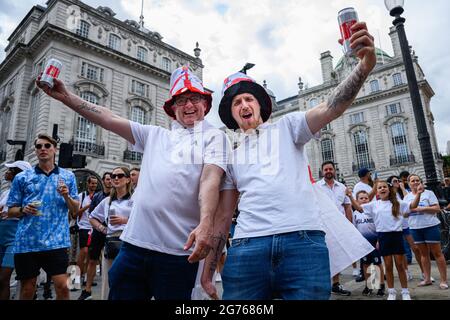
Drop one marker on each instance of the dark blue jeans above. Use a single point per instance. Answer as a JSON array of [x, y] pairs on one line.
[[290, 266], [140, 274]]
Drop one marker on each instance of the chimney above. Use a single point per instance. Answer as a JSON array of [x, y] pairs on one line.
[[326, 60], [395, 42]]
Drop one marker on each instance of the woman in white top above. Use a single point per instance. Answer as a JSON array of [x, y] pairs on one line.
[[387, 213], [424, 226], [110, 218]]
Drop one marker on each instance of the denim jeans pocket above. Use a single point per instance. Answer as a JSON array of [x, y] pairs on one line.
[[238, 242], [316, 237]]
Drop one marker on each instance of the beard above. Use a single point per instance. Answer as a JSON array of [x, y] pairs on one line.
[[329, 176]]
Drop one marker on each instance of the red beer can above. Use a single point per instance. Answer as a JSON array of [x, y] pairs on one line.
[[51, 71], [347, 18]]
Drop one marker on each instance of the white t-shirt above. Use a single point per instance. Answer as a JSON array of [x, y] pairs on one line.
[[336, 193], [270, 171], [3, 207], [166, 205], [381, 212], [421, 220], [119, 207], [364, 223], [361, 186], [83, 222]]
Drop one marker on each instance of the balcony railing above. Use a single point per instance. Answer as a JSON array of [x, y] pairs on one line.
[[132, 156], [358, 166], [88, 148], [402, 159], [2, 155]]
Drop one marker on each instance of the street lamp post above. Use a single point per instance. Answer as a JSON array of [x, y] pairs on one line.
[[395, 8]]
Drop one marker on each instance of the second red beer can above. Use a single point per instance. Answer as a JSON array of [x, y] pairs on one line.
[[51, 71], [347, 18]]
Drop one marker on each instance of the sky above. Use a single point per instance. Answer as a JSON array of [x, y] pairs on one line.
[[283, 39]]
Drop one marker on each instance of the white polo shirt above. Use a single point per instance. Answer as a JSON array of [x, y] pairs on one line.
[[421, 220], [83, 222], [165, 208], [335, 193], [361, 186], [121, 207], [270, 171]]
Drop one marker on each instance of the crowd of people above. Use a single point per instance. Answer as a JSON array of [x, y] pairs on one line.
[[150, 227]]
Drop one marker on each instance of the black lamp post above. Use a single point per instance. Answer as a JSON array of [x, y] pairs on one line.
[[395, 8]]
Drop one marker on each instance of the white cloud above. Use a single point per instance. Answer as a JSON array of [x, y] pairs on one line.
[[284, 39]]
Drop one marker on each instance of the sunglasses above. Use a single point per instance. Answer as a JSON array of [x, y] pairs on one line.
[[118, 176], [395, 180], [182, 101], [45, 145]]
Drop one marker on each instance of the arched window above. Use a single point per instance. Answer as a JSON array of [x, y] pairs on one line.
[[361, 145], [397, 77], [374, 86], [399, 142], [86, 134], [114, 42], [327, 150], [33, 118], [142, 54], [83, 29]]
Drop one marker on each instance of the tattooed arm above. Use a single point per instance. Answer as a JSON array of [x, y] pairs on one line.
[[99, 115], [345, 93], [222, 223]]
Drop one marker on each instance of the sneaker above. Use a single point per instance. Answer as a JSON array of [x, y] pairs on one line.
[[355, 272], [85, 295], [422, 277], [360, 278], [47, 295], [406, 296], [380, 292], [367, 291], [339, 289], [392, 294]]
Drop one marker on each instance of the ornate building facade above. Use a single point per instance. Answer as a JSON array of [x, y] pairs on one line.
[[117, 64], [378, 131]]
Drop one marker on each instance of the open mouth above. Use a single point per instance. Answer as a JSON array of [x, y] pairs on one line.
[[247, 115], [189, 113]]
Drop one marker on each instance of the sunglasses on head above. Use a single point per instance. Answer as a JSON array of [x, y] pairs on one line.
[[45, 145], [118, 176]]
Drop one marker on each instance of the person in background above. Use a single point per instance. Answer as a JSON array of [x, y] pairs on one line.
[[404, 181], [134, 175], [8, 228]]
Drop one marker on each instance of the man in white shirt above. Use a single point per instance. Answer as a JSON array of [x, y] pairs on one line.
[[178, 192], [278, 249], [336, 192], [364, 184]]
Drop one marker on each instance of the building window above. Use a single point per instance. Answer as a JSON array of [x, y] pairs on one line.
[[166, 64], [11, 87], [399, 142], [327, 150], [138, 115], [397, 79], [39, 67], [361, 149], [374, 86], [142, 54], [33, 118], [313, 102], [326, 128], [140, 89], [86, 131], [114, 42], [83, 29], [394, 108], [92, 72], [357, 118], [5, 119]]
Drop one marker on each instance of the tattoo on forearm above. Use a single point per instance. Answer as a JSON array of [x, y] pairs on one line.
[[219, 242], [344, 94], [85, 106]]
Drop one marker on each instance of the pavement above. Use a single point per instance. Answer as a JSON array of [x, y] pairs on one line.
[[346, 279]]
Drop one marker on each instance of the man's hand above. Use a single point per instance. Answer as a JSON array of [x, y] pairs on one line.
[[30, 209], [209, 287], [366, 53], [349, 192], [202, 236], [58, 92], [63, 190]]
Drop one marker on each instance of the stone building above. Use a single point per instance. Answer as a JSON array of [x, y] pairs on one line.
[[379, 130]]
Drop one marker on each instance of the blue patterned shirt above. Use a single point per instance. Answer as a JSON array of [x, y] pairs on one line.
[[49, 231]]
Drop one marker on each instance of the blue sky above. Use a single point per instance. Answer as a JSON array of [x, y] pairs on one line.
[[283, 38]]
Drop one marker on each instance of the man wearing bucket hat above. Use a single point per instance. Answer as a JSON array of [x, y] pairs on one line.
[[279, 248], [177, 195], [8, 228]]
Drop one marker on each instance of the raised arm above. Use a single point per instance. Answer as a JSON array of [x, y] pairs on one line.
[[222, 223], [99, 115], [208, 199], [355, 204], [415, 203], [344, 94]]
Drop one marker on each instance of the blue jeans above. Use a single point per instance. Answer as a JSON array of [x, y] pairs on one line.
[[290, 266], [140, 274]]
